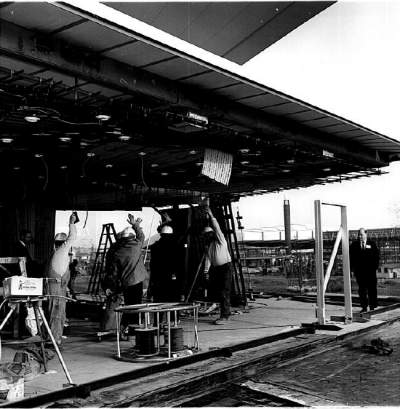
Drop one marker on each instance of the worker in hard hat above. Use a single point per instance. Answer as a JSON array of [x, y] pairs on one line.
[[58, 276], [218, 261], [166, 268], [125, 270]]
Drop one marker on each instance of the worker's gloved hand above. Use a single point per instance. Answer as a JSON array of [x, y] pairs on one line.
[[131, 219], [108, 292], [73, 218]]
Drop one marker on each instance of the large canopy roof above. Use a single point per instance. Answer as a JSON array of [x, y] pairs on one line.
[[66, 63]]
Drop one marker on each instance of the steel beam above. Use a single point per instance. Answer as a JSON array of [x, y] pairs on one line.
[[112, 74], [346, 266], [319, 263]]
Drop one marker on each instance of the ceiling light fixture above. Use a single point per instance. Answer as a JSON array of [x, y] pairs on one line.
[[109, 166], [285, 170], [244, 162], [154, 165], [38, 155], [7, 140], [103, 117], [244, 150], [164, 174], [124, 138], [193, 152], [290, 161], [16, 168], [199, 163], [326, 169], [63, 167], [65, 139], [142, 153], [90, 154], [32, 118], [123, 175]]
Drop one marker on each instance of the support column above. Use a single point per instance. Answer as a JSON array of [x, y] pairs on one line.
[[346, 266], [319, 263], [286, 220]]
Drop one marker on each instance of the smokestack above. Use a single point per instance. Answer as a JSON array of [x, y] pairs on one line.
[[286, 220]]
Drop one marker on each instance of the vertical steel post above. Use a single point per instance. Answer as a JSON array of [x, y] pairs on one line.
[[319, 263], [286, 220], [346, 266]]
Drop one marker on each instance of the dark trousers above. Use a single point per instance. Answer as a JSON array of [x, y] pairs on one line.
[[132, 295], [220, 287], [367, 291]]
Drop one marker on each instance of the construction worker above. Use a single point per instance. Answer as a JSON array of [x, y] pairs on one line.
[[166, 268], [58, 276], [125, 270], [220, 272]]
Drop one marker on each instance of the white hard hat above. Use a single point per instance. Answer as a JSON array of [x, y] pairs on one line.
[[207, 229], [127, 232], [60, 237], [166, 230]]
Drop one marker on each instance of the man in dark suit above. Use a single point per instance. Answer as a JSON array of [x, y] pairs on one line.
[[364, 261], [22, 249]]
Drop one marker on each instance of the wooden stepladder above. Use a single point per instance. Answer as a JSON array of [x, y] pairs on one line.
[[108, 236], [323, 276]]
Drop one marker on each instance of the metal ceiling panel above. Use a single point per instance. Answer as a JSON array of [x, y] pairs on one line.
[[238, 31], [338, 127], [209, 79], [238, 91], [92, 36], [284, 109], [176, 68], [137, 54], [39, 16], [306, 115], [320, 123]]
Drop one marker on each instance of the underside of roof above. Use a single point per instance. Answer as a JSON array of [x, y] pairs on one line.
[[65, 65], [237, 31]]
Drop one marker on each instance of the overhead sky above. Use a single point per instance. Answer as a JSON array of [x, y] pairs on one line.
[[344, 60]]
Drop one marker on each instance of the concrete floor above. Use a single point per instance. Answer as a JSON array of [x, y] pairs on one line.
[[87, 359]]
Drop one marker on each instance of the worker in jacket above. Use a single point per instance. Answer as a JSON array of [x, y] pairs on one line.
[[125, 270]]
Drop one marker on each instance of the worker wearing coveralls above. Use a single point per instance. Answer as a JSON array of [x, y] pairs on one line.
[[58, 277]]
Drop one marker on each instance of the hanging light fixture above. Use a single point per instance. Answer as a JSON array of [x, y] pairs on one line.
[[90, 154], [38, 155], [124, 138], [103, 117], [7, 140], [32, 118], [65, 139]]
